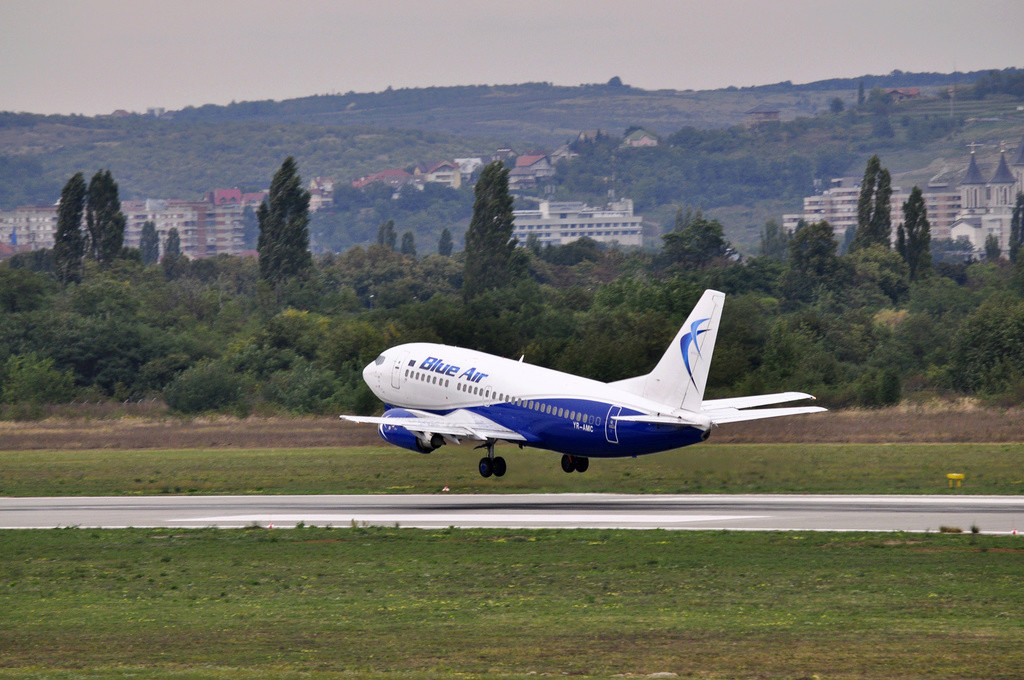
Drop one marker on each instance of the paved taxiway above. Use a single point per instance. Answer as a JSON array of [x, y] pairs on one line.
[[990, 514]]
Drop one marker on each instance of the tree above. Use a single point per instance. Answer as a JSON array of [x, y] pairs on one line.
[[444, 244], [992, 250], [489, 242], [874, 223], [697, 243], [149, 243], [774, 241], [171, 260], [103, 219], [913, 236], [69, 243], [33, 379], [408, 244], [1017, 228], [812, 258], [250, 228], [836, 105], [283, 242], [386, 235]]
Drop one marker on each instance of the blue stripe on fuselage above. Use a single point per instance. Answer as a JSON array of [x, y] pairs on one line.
[[590, 438]]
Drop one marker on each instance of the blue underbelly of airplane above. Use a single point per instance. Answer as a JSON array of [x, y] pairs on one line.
[[588, 429]]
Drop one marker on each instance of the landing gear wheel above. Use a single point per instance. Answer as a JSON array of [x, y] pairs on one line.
[[498, 467], [568, 464], [581, 464], [486, 468]]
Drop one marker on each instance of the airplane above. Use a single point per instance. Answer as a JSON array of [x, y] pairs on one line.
[[438, 394]]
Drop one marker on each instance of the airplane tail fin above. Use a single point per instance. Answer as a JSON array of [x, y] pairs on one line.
[[679, 379]]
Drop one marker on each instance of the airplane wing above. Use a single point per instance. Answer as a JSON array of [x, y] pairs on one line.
[[458, 424]]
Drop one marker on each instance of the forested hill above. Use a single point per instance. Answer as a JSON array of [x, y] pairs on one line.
[[707, 158], [549, 114]]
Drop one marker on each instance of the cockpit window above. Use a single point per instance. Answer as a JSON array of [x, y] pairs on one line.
[[379, 360]]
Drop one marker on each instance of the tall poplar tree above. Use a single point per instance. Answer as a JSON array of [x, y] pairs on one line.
[[103, 218], [874, 221], [69, 242], [913, 235], [171, 261], [881, 217], [149, 243], [774, 241], [444, 244], [386, 235], [489, 242], [409, 244], [283, 243], [1017, 228]]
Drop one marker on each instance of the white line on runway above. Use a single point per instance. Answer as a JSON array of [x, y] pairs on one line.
[[523, 520]]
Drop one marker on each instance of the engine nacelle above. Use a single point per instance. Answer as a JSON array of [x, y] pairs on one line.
[[399, 436]]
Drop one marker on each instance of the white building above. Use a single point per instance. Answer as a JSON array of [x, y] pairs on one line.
[[205, 228], [974, 209], [987, 206], [30, 227], [558, 223], [838, 207]]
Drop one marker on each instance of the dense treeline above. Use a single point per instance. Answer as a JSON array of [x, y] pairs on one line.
[[213, 334]]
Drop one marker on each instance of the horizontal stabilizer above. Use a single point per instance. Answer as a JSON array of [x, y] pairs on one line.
[[733, 415], [752, 401]]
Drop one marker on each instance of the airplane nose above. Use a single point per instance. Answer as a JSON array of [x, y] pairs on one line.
[[370, 374]]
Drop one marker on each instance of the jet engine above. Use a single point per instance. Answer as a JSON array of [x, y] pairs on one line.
[[399, 436]]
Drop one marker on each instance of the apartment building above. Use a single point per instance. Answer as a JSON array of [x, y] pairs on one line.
[[30, 227], [205, 228], [838, 206], [558, 223], [979, 205]]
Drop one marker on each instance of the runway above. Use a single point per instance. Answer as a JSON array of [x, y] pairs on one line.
[[989, 514]]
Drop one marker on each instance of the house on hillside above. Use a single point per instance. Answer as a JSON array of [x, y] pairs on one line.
[[321, 193], [505, 154], [394, 178], [762, 113], [900, 94], [529, 169], [638, 139], [446, 173], [590, 135], [470, 166]]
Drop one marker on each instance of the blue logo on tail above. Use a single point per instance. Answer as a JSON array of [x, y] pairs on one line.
[[689, 339]]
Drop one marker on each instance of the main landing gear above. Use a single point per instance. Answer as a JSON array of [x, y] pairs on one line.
[[574, 463], [491, 464]]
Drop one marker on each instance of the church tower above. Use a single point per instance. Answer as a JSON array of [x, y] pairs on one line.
[[1017, 168]]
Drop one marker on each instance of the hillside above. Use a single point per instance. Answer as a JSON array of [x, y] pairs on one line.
[[707, 159]]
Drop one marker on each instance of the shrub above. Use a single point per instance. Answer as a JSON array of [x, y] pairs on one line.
[[207, 386], [28, 378], [305, 389]]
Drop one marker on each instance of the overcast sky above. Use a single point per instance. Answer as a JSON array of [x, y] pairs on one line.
[[95, 56]]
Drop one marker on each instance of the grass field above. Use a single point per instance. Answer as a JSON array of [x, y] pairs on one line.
[[378, 603], [706, 468], [404, 603]]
